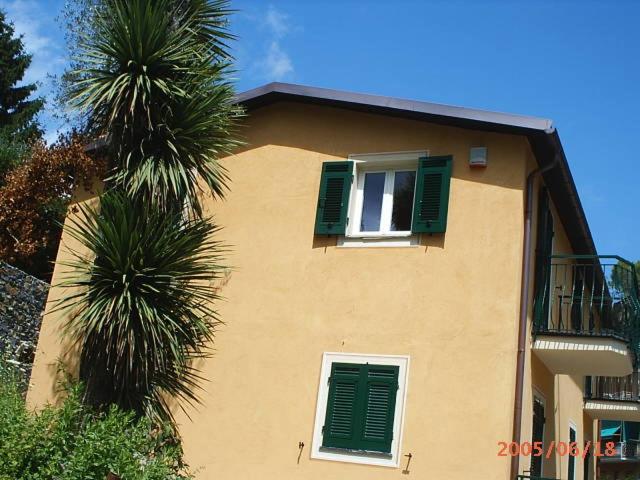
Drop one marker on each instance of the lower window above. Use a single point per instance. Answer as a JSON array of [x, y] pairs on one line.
[[360, 408]]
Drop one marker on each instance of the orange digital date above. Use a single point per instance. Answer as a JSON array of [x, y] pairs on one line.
[[537, 449]]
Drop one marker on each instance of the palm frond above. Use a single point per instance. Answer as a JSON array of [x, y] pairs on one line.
[[155, 80], [141, 302]]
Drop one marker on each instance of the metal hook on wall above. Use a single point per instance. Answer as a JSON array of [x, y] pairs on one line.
[[301, 447], [406, 470]]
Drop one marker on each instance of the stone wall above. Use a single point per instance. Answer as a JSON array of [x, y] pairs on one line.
[[22, 300]]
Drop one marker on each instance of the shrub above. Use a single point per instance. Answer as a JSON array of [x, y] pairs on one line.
[[71, 441]]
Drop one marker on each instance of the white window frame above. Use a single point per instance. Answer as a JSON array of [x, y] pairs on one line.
[[388, 162], [387, 205], [317, 451]]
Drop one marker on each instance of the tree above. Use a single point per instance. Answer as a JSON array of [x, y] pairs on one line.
[[12, 153], [156, 83], [34, 199], [18, 113], [145, 302], [625, 276], [151, 77]]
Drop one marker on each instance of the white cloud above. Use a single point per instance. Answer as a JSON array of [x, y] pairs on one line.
[[277, 64], [34, 21], [277, 22]]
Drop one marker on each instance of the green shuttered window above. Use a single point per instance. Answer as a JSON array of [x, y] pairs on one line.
[[426, 213], [544, 246], [431, 201], [333, 199], [360, 407]]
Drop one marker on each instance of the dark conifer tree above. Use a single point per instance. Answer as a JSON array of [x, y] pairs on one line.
[[18, 113]]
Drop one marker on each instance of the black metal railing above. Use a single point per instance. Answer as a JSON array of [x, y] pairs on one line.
[[588, 295], [624, 451], [622, 389], [529, 477]]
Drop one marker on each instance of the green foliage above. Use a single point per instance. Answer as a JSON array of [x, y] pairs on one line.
[[153, 77], [18, 114], [625, 276], [72, 441], [143, 304], [12, 153]]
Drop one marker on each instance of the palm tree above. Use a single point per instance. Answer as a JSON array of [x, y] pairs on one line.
[[152, 78], [143, 308]]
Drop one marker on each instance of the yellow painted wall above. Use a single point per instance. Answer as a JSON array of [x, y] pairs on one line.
[[450, 303]]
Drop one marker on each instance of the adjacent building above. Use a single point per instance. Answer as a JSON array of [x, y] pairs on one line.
[[412, 285]]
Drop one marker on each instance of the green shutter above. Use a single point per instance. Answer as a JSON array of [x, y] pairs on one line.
[[360, 407], [333, 199], [431, 202], [380, 404], [343, 407], [544, 244]]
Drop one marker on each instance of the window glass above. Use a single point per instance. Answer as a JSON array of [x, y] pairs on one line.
[[372, 201], [403, 187]]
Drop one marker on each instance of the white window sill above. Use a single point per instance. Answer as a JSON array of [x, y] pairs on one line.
[[384, 240], [348, 456]]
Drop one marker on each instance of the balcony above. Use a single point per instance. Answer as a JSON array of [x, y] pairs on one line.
[[587, 315], [613, 398], [626, 452]]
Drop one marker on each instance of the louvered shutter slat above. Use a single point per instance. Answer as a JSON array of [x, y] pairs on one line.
[[333, 198], [431, 204], [381, 391], [342, 406]]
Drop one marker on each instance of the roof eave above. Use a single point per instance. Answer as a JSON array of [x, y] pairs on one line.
[[542, 136]]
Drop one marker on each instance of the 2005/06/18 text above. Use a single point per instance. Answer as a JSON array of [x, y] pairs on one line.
[[537, 449]]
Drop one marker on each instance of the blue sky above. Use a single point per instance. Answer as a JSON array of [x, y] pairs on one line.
[[574, 62]]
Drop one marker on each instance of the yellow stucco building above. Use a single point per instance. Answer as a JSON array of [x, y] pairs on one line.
[[412, 284]]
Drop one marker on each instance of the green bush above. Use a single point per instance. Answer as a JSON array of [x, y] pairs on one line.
[[70, 441], [12, 154]]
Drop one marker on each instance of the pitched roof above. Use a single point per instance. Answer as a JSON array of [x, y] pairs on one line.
[[543, 137]]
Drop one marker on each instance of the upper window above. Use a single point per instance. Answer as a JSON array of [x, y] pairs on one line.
[[360, 408], [384, 195]]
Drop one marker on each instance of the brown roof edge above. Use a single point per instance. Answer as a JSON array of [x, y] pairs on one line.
[[542, 135], [277, 91], [98, 144]]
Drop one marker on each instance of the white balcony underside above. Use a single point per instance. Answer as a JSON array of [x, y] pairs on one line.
[[613, 410], [584, 355]]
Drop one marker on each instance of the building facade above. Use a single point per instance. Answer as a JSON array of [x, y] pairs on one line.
[[375, 320]]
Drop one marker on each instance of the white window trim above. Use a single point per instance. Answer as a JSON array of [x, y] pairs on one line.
[[372, 162], [401, 361]]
